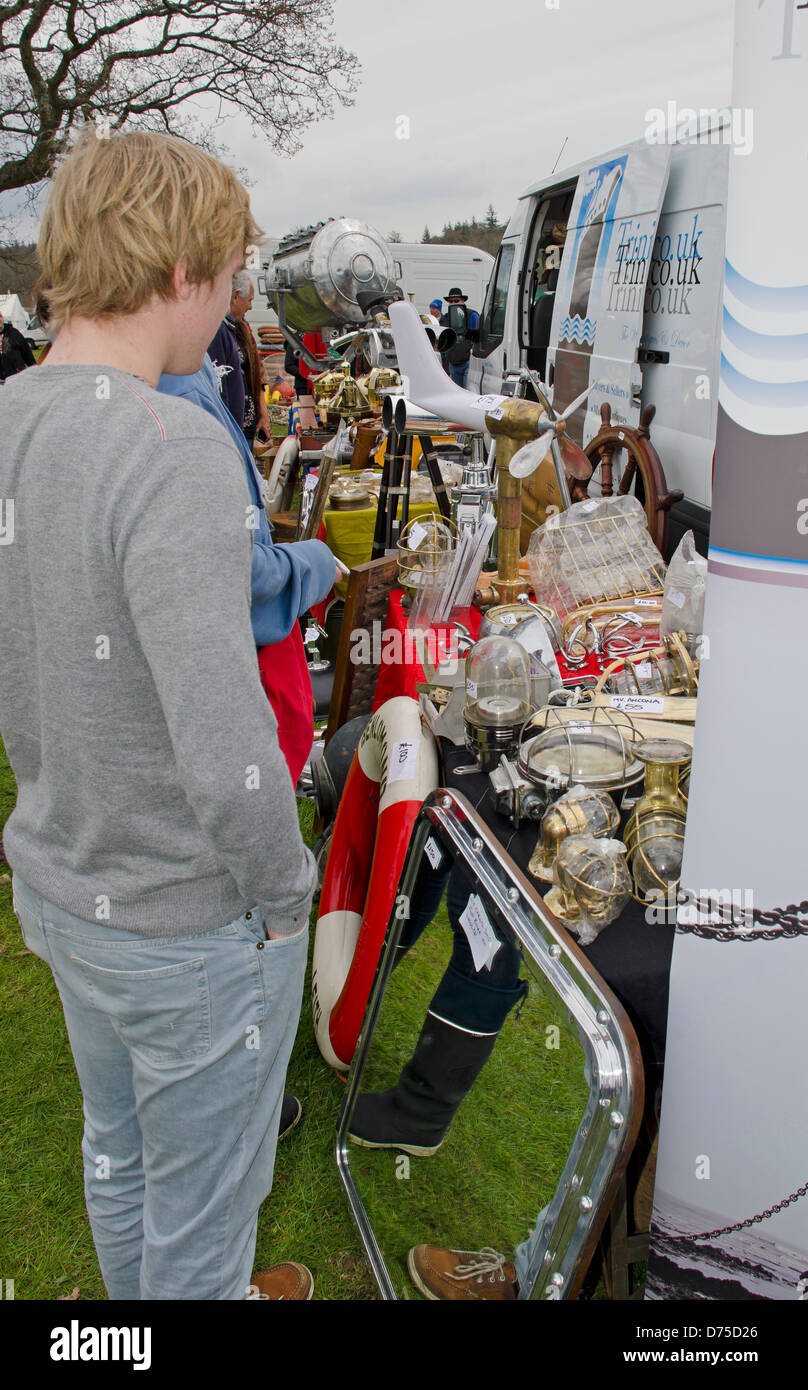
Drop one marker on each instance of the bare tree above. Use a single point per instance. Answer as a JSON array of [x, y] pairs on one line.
[[141, 62]]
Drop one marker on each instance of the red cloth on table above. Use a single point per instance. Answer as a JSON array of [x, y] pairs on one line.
[[400, 678], [318, 348], [285, 678]]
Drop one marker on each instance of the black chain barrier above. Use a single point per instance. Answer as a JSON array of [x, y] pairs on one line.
[[775, 924], [751, 1220]]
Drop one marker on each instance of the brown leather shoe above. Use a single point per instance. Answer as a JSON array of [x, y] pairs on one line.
[[461, 1275], [287, 1280]]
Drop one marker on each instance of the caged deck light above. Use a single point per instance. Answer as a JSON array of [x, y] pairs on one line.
[[578, 812], [655, 833]]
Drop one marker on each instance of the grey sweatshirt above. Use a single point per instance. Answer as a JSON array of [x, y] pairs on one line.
[[152, 793]]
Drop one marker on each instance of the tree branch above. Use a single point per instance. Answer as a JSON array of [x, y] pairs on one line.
[[140, 60]]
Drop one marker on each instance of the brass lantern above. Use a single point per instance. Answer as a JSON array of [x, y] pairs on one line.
[[592, 885], [667, 670], [578, 812], [655, 833]]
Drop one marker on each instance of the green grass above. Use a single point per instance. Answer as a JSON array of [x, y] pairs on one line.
[[484, 1186]]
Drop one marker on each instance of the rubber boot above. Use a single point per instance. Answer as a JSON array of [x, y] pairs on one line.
[[415, 1114]]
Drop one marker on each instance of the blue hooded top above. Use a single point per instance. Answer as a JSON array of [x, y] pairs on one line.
[[286, 579]]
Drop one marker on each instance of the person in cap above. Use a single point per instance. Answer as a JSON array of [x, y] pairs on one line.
[[464, 321]]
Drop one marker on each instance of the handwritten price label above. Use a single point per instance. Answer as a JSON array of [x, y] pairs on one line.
[[403, 760]]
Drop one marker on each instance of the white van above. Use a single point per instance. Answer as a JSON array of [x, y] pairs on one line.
[[15, 313], [262, 315], [426, 272], [610, 274]]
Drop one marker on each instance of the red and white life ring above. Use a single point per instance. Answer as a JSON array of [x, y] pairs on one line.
[[394, 769]]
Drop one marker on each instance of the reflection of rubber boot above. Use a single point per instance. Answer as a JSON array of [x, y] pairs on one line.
[[415, 1114]]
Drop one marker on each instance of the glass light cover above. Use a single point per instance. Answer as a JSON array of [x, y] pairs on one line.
[[497, 683], [655, 832], [594, 884]]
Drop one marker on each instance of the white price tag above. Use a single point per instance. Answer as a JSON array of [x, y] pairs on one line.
[[509, 619], [418, 533], [496, 413], [433, 853], [589, 506], [643, 669], [638, 704], [471, 689], [579, 726], [676, 597], [311, 634], [479, 933], [403, 760], [646, 602], [311, 482]]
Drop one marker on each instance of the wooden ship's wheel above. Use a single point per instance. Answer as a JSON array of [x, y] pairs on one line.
[[642, 473]]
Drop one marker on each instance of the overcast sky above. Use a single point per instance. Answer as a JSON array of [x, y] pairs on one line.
[[490, 91]]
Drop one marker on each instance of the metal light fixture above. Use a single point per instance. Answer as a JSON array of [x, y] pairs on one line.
[[578, 812], [592, 885], [655, 833], [597, 751], [425, 548], [667, 670], [498, 692]]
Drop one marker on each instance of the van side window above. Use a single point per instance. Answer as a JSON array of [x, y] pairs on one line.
[[492, 323]]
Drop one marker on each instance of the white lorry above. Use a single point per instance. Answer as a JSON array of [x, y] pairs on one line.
[[610, 276], [427, 271]]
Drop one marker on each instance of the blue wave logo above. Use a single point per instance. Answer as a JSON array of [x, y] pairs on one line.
[[769, 347], [578, 330], [764, 374], [775, 299], [780, 395]]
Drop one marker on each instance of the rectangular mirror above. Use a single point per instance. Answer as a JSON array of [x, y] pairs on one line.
[[497, 1088]]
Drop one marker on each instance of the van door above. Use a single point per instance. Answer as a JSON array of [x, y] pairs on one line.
[[679, 348], [598, 310], [492, 321], [545, 246]]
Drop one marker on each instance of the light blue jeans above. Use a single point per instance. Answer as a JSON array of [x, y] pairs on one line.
[[181, 1048]]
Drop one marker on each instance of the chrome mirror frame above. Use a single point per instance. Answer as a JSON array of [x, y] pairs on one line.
[[606, 1135]]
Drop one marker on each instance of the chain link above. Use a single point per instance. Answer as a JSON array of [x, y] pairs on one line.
[[777, 923], [751, 1220]]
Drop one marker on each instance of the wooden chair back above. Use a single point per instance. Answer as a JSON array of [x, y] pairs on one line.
[[369, 587]]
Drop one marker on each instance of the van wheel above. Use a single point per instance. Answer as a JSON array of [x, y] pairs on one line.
[[642, 474]]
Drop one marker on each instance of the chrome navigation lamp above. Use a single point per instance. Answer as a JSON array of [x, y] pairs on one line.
[[497, 699], [655, 833], [595, 750]]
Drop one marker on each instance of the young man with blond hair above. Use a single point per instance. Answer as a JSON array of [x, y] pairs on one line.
[[157, 861]]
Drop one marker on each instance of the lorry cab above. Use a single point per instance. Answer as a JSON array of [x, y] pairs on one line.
[[610, 276]]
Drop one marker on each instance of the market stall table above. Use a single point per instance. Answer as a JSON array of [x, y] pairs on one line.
[[632, 955]]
